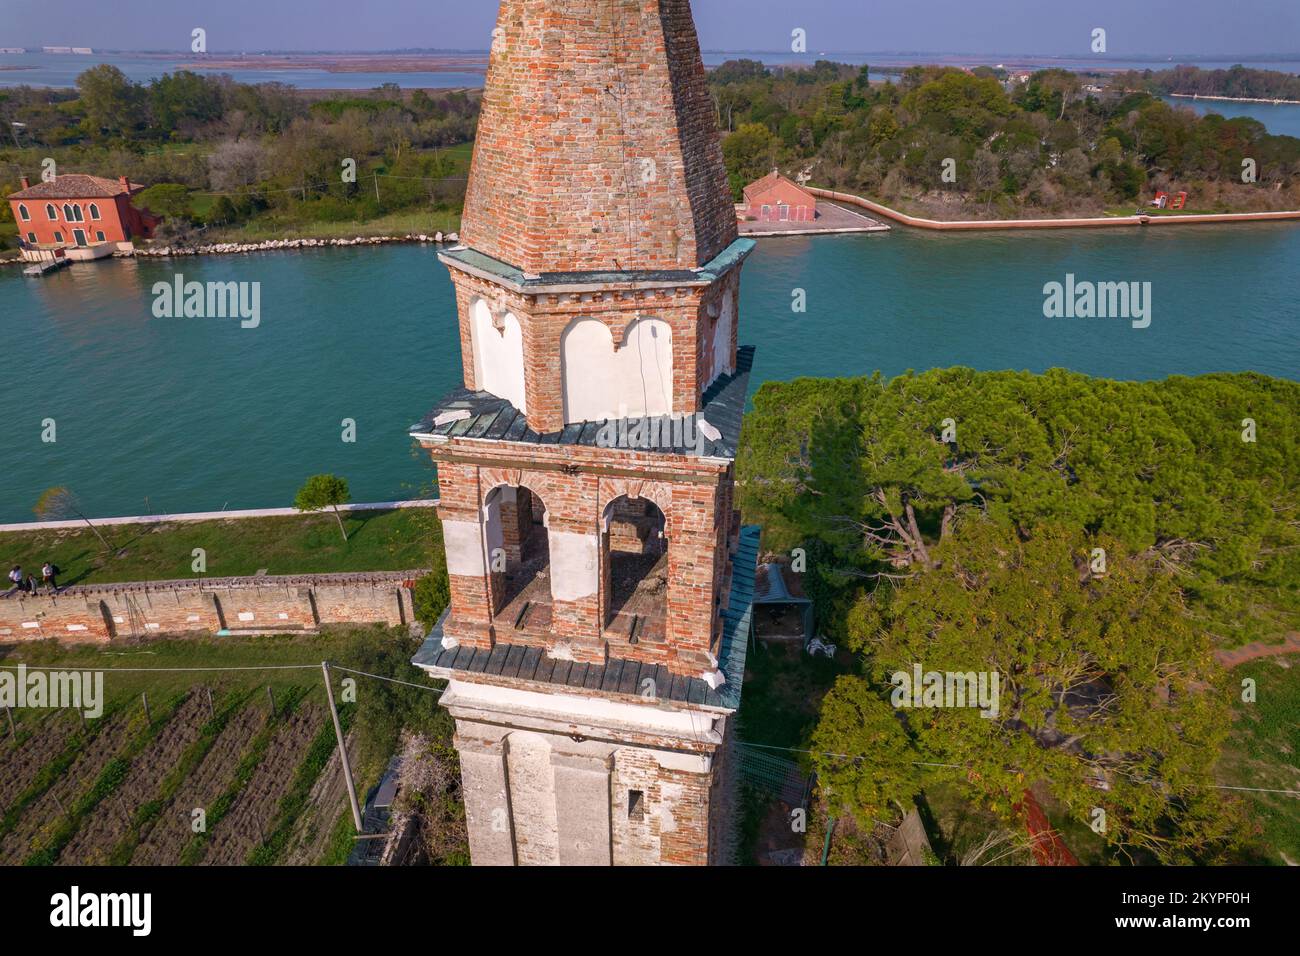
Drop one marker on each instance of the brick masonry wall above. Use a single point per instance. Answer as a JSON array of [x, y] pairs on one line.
[[281, 603], [597, 147], [672, 827], [690, 311], [698, 518]]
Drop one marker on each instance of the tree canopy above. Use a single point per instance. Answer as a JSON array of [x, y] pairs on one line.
[[1054, 143], [1090, 542]]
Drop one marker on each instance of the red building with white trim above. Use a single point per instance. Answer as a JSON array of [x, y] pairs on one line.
[[774, 198], [79, 211]]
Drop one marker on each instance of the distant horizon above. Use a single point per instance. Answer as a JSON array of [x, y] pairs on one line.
[[1160, 28], [287, 51]]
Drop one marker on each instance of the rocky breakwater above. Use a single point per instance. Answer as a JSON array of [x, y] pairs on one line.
[[221, 248]]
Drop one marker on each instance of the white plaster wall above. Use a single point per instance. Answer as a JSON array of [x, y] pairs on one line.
[[532, 798], [722, 337], [575, 564], [493, 533], [498, 356], [600, 382], [464, 543]]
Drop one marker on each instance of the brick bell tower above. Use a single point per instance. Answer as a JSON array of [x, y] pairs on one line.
[[601, 581]]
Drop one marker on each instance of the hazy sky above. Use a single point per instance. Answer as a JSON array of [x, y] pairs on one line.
[[966, 26]]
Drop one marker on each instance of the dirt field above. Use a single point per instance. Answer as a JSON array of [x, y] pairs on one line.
[[110, 822], [329, 799], [250, 819], [23, 762], [39, 820], [171, 832]]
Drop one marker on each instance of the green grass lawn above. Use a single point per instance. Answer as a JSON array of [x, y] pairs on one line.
[[125, 686], [273, 226], [1264, 752], [395, 540]]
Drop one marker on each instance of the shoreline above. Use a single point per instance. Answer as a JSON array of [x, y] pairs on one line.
[[1234, 99], [268, 245], [27, 526], [1139, 219]]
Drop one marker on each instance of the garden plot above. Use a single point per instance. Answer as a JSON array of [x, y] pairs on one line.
[[172, 831], [38, 822], [21, 762], [251, 817], [329, 797], [114, 817]]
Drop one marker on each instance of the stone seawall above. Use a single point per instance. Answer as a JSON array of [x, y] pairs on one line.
[[102, 612], [1102, 222]]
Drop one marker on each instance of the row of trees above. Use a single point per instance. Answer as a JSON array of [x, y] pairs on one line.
[[1236, 82], [945, 136], [220, 152], [1089, 541]]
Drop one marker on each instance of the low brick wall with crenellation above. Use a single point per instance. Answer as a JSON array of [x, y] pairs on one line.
[[102, 612]]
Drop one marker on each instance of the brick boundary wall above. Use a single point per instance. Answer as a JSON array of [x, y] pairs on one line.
[[255, 604], [1082, 223]]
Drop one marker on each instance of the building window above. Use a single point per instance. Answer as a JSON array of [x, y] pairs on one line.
[[77, 214], [58, 236], [99, 235], [67, 212], [22, 211], [51, 213], [767, 211], [31, 237], [785, 212], [94, 210], [636, 804]]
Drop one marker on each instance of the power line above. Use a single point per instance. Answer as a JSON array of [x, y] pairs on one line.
[[391, 680], [953, 766], [440, 690]]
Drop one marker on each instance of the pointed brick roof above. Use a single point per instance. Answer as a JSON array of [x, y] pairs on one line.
[[597, 147]]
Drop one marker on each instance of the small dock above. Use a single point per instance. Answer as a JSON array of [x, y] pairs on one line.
[[44, 266], [832, 219]]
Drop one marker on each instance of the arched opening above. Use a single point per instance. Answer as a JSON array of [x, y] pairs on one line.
[[22, 211], [94, 210], [519, 559], [634, 546], [498, 342], [601, 382], [50, 213]]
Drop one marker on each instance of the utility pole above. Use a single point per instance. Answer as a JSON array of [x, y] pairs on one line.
[[343, 750]]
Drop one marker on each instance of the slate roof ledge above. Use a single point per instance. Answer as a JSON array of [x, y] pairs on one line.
[[475, 263], [488, 417]]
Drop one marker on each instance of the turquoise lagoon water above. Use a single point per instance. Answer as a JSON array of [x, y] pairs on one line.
[[169, 415]]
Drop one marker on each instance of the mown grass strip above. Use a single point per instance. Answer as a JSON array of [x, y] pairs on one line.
[[110, 778], [285, 707]]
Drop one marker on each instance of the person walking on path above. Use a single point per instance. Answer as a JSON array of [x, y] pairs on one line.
[[48, 574]]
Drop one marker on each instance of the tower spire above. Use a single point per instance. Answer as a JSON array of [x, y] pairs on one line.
[[596, 147], [600, 579]]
